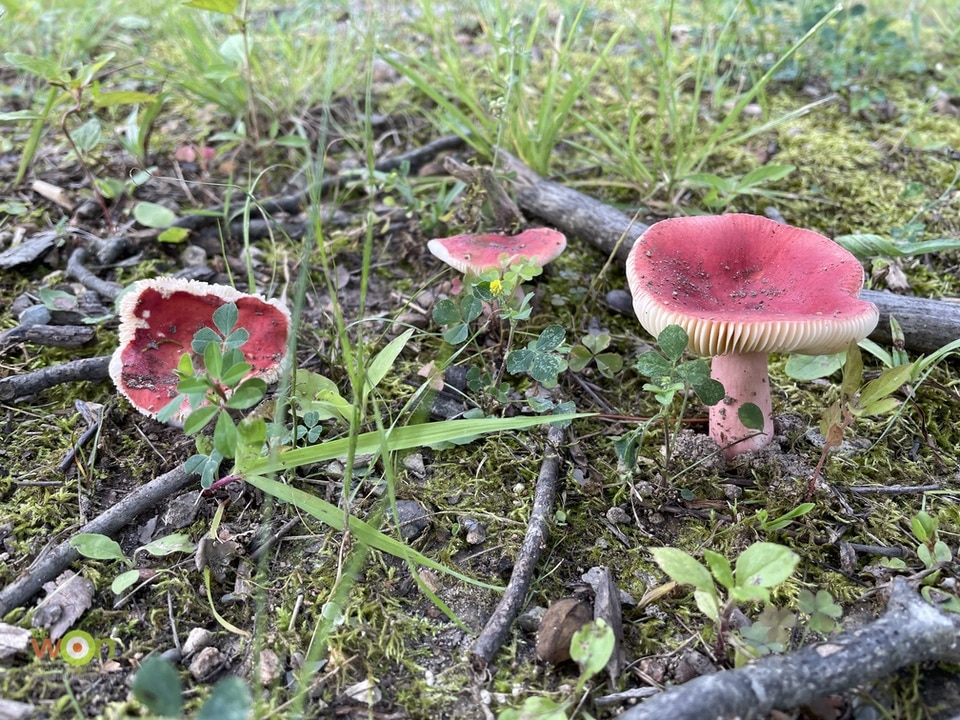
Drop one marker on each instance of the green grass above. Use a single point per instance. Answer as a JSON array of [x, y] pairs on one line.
[[685, 107]]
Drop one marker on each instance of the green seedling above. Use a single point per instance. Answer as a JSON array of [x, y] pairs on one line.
[[932, 551], [779, 523], [721, 192], [872, 399], [592, 349], [542, 358], [101, 547], [157, 685]]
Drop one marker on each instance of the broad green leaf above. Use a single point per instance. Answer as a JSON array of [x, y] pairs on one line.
[[591, 647], [169, 544], [88, 136], [399, 438], [157, 685], [225, 318], [683, 568], [199, 418], [152, 215], [812, 367], [191, 385], [384, 360], [673, 341], [710, 180], [751, 416], [124, 580], [225, 7], [446, 312], [203, 336], [122, 97], [609, 364], [225, 436], [235, 373], [168, 410], [708, 603], [247, 394], [236, 339], [173, 235], [230, 700], [471, 307], [579, 358], [720, 567], [97, 547], [551, 338], [544, 368], [212, 361], [457, 334], [40, 66], [653, 365], [883, 406], [596, 343], [765, 564], [765, 174], [852, 371], [519, 361], [923, 525], [889, 381], [865, 246], [710, 392]]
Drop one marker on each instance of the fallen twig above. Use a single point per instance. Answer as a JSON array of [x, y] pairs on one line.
[[16, 387], [498, 626], [893, 489], [926, 323], [78, 271], [911, 631], [48, 566], [64, 336]]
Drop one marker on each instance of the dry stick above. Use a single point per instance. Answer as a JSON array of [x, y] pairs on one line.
[[77, 271], [927, 324], [22, 386], [911, 631], [295, 203], [498, 626], [47, 567]]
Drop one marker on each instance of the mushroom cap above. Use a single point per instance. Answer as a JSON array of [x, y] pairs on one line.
[[472, 254], [743, 283], [158, 319]]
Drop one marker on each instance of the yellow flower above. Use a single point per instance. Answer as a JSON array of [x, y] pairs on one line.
[[496, 288]]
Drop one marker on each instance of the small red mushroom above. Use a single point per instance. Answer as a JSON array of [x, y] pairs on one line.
[[742, 286], [158, 320], [472, 254]]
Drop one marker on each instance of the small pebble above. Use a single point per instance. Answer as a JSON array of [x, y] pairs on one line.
[[413, 518], [34, 315], [205, 663], [197, 639]]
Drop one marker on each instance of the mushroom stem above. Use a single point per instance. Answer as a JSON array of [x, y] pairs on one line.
[[745, 380]]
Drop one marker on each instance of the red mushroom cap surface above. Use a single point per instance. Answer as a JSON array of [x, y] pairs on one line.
[[476, 253], [743, 283], [158, 319]]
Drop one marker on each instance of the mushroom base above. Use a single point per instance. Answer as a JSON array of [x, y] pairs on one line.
[[745, 380]]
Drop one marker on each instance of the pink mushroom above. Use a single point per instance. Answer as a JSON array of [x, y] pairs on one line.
[[472, 254], [158, 319], [742, 286]]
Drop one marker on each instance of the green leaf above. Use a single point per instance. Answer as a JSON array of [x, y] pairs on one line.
[[212, 362], [765, 564], [653, 365], [708, 603], [551, 338], [97, 547], [609, 363], [248, 394], [169, 544], [43, 67], [457, 334], [923, 525], [88, 136], [544, 368], [225, 318], [711, 392], [720, 567], [124, 580], [157, 685], [519, 361], [237, 338], [765, 174], [446, 312], [813, 367], [122, 97], [673, 341], [192, 385], [384, 360], [235, 373], [470, 308], [199, 418], [230, 700], [224, 7], [591, 648], [152, 215], [579, 358], [751, 416], [168, 410], [883, 406], [536, 707], [852, 372], [596, 343], [225, 436], [202, 337], [173, 235], [683, 568], [888, 382]]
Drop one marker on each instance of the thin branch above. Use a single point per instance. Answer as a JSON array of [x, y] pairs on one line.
[[47, 567], [498, 626], [911, 631], [16, 387]]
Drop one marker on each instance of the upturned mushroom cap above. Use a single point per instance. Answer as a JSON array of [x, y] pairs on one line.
[[742, 283], [158, 319], [472, 254]]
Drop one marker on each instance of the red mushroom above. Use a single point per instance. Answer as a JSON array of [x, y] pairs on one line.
[[158, 320], [472, 254], [742, 286]]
